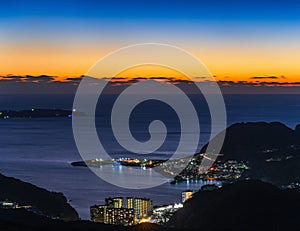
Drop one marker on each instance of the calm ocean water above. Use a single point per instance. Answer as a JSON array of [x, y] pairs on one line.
[[40, 150]]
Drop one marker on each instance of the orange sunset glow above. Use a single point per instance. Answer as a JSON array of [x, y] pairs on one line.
[[265, 51], [226, 64]]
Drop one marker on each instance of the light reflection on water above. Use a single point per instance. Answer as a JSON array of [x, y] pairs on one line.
[[40, 150]]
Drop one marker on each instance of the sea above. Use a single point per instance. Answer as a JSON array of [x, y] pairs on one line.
[[40, 150]]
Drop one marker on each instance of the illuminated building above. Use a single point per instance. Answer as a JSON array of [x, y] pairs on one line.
[[120, 216], [143, 206], [115, 202], [113, 211], [164, 213], [98, 213], [186, 195], [8, 204], [130, 202], [114, 216]]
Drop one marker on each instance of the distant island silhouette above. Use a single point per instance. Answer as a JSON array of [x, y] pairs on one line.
[[35, 113]]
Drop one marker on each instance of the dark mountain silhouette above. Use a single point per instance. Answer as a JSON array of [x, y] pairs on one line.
[[271, 149], [19, 219], [47, 203], [243, 140], [245, 205]]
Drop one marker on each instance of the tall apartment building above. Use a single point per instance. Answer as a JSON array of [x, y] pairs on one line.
[[113, 212], [114, 202], [114, 216], [143, 206]]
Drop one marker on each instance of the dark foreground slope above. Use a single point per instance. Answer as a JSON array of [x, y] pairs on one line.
[[15, 220], [50, 204], [245, 205], [18, 219]]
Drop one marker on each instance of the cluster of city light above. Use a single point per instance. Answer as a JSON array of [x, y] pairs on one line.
[[135, 211], [13, 205], [229, 170]]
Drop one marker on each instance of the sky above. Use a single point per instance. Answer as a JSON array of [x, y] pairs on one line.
[[242, 43]]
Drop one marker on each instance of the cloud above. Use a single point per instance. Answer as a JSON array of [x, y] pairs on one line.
[[12, 78], [273, 87], [74, 78], [52, 84], [39, 78], [203, 77], [40, 84], [28, 78], [264, 77], [161, 77]]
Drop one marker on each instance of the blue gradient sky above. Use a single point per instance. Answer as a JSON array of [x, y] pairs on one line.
[[235, 39], [160, 10]]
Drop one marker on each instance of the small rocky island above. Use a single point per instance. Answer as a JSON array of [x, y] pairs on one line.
[[130, 162]]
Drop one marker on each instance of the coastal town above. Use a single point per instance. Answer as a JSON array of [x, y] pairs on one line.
[[130, 210], [133, 210]]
